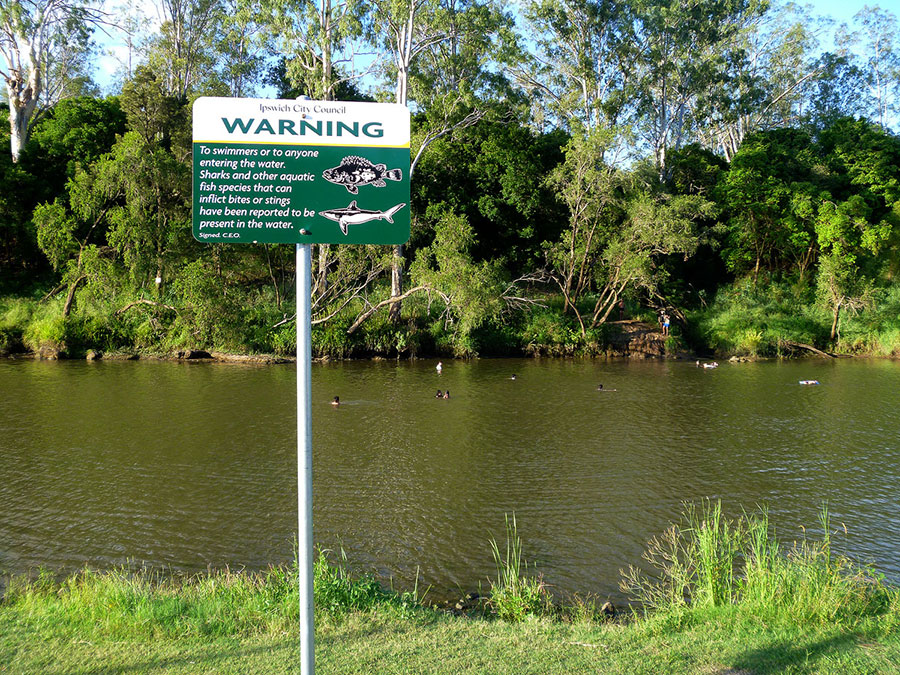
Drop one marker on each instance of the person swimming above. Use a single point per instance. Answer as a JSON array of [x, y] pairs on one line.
[[513, 376], [600, 388], [336, 400], [439, 394], [447, 394]]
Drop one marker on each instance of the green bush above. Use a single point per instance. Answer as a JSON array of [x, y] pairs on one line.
[[337, 592], [551, 333], [758, 321], [15, 314]]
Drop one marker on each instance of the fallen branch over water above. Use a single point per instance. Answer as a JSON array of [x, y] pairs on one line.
[[810, 348]]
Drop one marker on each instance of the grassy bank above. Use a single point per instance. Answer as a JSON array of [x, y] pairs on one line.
[[30, 324], [764, 320], [768, 320], [718, 596]]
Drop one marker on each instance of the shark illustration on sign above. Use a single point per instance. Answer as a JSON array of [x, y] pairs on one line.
[[353, 215]]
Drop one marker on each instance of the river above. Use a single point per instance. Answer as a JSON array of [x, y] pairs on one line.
[[183, 466]]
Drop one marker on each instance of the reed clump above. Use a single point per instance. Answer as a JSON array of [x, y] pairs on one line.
[[515, 594], [709, 560]]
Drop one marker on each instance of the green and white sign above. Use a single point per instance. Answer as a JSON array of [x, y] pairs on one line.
[[300, 172]]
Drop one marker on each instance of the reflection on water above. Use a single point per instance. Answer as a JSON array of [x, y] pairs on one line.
[[183, 466]]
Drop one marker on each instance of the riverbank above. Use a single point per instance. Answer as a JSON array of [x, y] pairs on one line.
[[725, 598], [771, 321]]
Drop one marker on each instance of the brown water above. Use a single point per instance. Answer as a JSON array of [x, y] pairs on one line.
[[183, 466]]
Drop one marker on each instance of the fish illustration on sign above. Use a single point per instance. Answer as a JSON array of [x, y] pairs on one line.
[[353, 215], [354, 172]]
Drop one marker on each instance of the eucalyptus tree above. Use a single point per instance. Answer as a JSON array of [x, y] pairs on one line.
[[240, 42], [438, 59], [685, 50], [43, 47], [771, 61], [876, 49], [182, 50], [322, 51], [321, 42], [839, 90], [581, 69]]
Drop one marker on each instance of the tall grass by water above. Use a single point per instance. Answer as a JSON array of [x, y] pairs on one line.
[[709, 560], [515, 594], [706, 562]]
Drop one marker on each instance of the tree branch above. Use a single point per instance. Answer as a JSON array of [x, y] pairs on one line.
[[384, 303]]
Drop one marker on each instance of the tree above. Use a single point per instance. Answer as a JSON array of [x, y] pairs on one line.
[[182, 52], [494, 174], [770, 62], [863, 159], [240, 44], [846, 236], [769, 198], [582, 67], [73, 134], [471, 291], [879, 44], [620, 227], [19, 253], [42, 43], [439, 52], [683, 50], [838, 91], [319, 41], [132, 204]]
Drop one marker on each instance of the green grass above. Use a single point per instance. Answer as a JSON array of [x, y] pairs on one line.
[[757, 321], [748, 320], [721, 640], [725, 597]]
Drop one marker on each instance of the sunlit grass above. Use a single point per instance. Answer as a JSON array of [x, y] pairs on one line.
[[724, 593]]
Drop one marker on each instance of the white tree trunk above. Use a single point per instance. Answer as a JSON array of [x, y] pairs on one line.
[[403, 57], [22, 95]]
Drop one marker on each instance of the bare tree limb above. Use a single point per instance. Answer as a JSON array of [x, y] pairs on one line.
[[384, 303], [143, 301]]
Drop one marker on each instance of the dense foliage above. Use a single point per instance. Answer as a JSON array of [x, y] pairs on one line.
[[568, 162]]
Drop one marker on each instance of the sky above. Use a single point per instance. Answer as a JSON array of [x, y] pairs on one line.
[[841, 10]]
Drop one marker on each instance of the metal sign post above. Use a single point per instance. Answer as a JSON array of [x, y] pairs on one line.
[[304, 460], [301, 172]]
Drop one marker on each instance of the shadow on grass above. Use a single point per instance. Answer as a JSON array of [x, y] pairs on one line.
[[775, 657], [203, 659]]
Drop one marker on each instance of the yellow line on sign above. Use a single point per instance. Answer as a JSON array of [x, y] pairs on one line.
[[318, 145]]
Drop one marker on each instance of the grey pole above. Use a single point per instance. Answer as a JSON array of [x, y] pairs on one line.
[[304, 460]]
